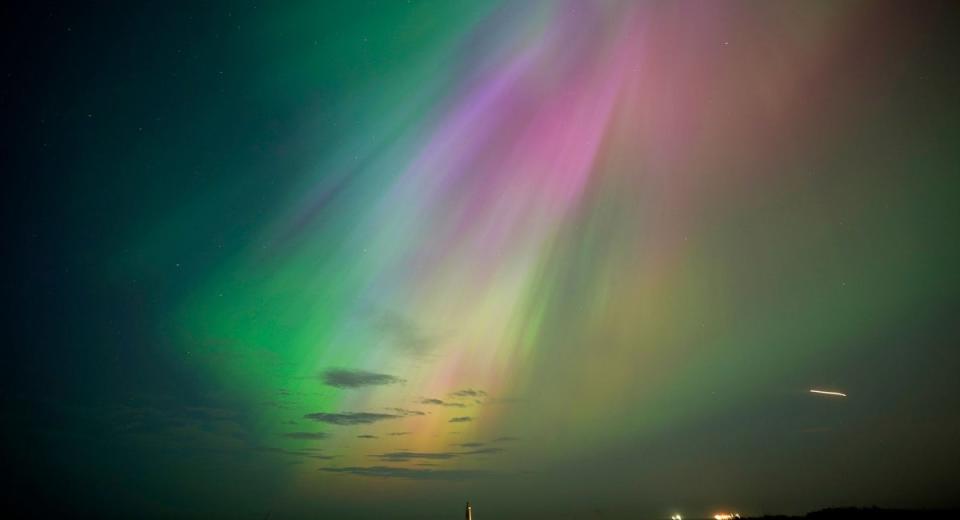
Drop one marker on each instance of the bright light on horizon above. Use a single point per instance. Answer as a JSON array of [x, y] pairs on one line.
[[726, 516], [827, 392]]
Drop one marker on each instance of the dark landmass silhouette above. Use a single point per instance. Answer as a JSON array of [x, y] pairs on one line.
[[871, 513]]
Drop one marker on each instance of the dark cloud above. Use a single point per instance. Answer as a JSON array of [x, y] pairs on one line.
[[404, 411], [506, 439], [366, 436], [469, 392], [461, 419], [398, 434], [440, 402], [305, 453], [482, 451], [406, 456], [471, 444], [342, 378], [306, 435], [350, 418], [408, 473], [400, 456]]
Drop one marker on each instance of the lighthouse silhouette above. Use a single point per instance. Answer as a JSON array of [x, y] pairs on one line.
[[469, 512]]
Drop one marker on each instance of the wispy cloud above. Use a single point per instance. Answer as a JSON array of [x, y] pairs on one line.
[[461, 419], [482, 451], [398, 434], [406, 456], [343, 378], [468, 392], [404, 411], [307, 453], [506, 439], [410, 473], [307, 435], [350, 418], [441, 402], [402, 332], [471, 444], [400, 456], [367, 436]]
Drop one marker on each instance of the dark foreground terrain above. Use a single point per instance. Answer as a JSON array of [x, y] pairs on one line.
[[855, 513]]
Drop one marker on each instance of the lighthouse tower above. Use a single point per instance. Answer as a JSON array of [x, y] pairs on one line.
[[469, 512]]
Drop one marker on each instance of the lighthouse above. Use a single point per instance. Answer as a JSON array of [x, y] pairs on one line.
[[469, 512]]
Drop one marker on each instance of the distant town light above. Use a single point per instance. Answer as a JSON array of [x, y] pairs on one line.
[[676, 517], [726, 516]]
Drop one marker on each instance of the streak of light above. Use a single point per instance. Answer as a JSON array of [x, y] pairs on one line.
[[827, 392]]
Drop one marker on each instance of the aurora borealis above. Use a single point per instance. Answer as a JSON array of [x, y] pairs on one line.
[[582, 258]]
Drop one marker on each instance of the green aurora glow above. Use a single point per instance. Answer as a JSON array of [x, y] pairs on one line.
[[624, 239]]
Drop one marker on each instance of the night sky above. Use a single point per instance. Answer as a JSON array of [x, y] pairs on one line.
[[563, 259]]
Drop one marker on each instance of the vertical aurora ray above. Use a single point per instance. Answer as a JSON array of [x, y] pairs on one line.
[[596, 209]]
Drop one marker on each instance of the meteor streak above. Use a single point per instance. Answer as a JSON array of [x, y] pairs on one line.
[[827, 392]]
